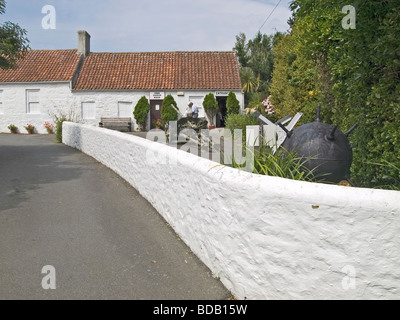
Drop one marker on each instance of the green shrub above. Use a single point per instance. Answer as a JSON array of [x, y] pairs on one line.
[[59, 121], [232, 104], [61, 117], [168, 113], [210, 107], [353, 75], [240, 121], [141, 112], [389, 175], [12, 128]]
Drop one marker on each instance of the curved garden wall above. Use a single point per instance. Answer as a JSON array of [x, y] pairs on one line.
[[264, 237]]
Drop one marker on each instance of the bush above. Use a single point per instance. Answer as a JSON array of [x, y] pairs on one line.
[[59, 118], [13, 128], [389, 175], [141, 112], [59, 121], [353, 75], [240, 121], [168, 113], [232, 104], [210, 107]]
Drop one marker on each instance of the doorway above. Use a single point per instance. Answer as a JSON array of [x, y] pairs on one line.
[[222, 112], [155, 111]]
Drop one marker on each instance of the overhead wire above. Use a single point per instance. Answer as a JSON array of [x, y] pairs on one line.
[[269, 16]]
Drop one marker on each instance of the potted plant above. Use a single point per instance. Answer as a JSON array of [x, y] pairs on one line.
[[49, 127], [13, 129], [157, 123], [210, 105], [30, 128]]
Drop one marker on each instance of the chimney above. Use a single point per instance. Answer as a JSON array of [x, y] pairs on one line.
[[83, 43]]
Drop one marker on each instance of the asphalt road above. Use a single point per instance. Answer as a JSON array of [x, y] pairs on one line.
[[61, 208]]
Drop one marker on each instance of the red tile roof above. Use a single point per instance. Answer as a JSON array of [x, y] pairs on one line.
[[130, 71], [160, 70], [43, 66]]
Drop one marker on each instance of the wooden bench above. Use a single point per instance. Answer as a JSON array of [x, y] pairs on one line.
[[119, 124]]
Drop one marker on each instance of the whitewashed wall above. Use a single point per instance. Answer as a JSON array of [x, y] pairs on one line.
[[264, 237], [57, 97], [106, 102], [52, 97]]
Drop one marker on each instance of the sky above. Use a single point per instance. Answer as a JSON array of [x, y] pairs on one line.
[[146, 25]]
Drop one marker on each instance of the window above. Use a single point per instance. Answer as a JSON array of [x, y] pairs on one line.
[[1, 102], [125, 109], [32, 102], [88, 111]]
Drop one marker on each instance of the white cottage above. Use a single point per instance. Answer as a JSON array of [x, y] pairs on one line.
[[95, 85]]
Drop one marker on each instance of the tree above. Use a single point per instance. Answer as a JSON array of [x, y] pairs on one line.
[[257, 55], [242, 50], [210, 107], [250, 83], [354, 74], [13, 42], [294, 86], [141, 112], [232, 104], [168, 113]]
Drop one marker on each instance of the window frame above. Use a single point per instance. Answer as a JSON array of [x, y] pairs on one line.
[[94, 110], [29, 103], [130, 103]]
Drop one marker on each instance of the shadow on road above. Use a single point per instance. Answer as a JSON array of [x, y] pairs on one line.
[[61, 208], [25, 158]]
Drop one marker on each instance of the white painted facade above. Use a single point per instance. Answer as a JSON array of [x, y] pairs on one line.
[[87, 106], [108, 103], [264, 237], [37, 102], [19, 107]]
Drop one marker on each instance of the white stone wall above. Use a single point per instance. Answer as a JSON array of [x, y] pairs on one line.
[[107, 101], [52, 97], [106, 104], [57, 97], [264, 237]]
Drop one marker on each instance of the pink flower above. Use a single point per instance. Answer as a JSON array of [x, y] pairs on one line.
[[48, 125], [269, 107]]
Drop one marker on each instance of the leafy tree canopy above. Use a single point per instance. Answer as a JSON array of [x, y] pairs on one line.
[[256, 54], [13, 42]]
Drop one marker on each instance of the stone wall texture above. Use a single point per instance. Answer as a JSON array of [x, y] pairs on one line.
[[53, 98], [264, 237]]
